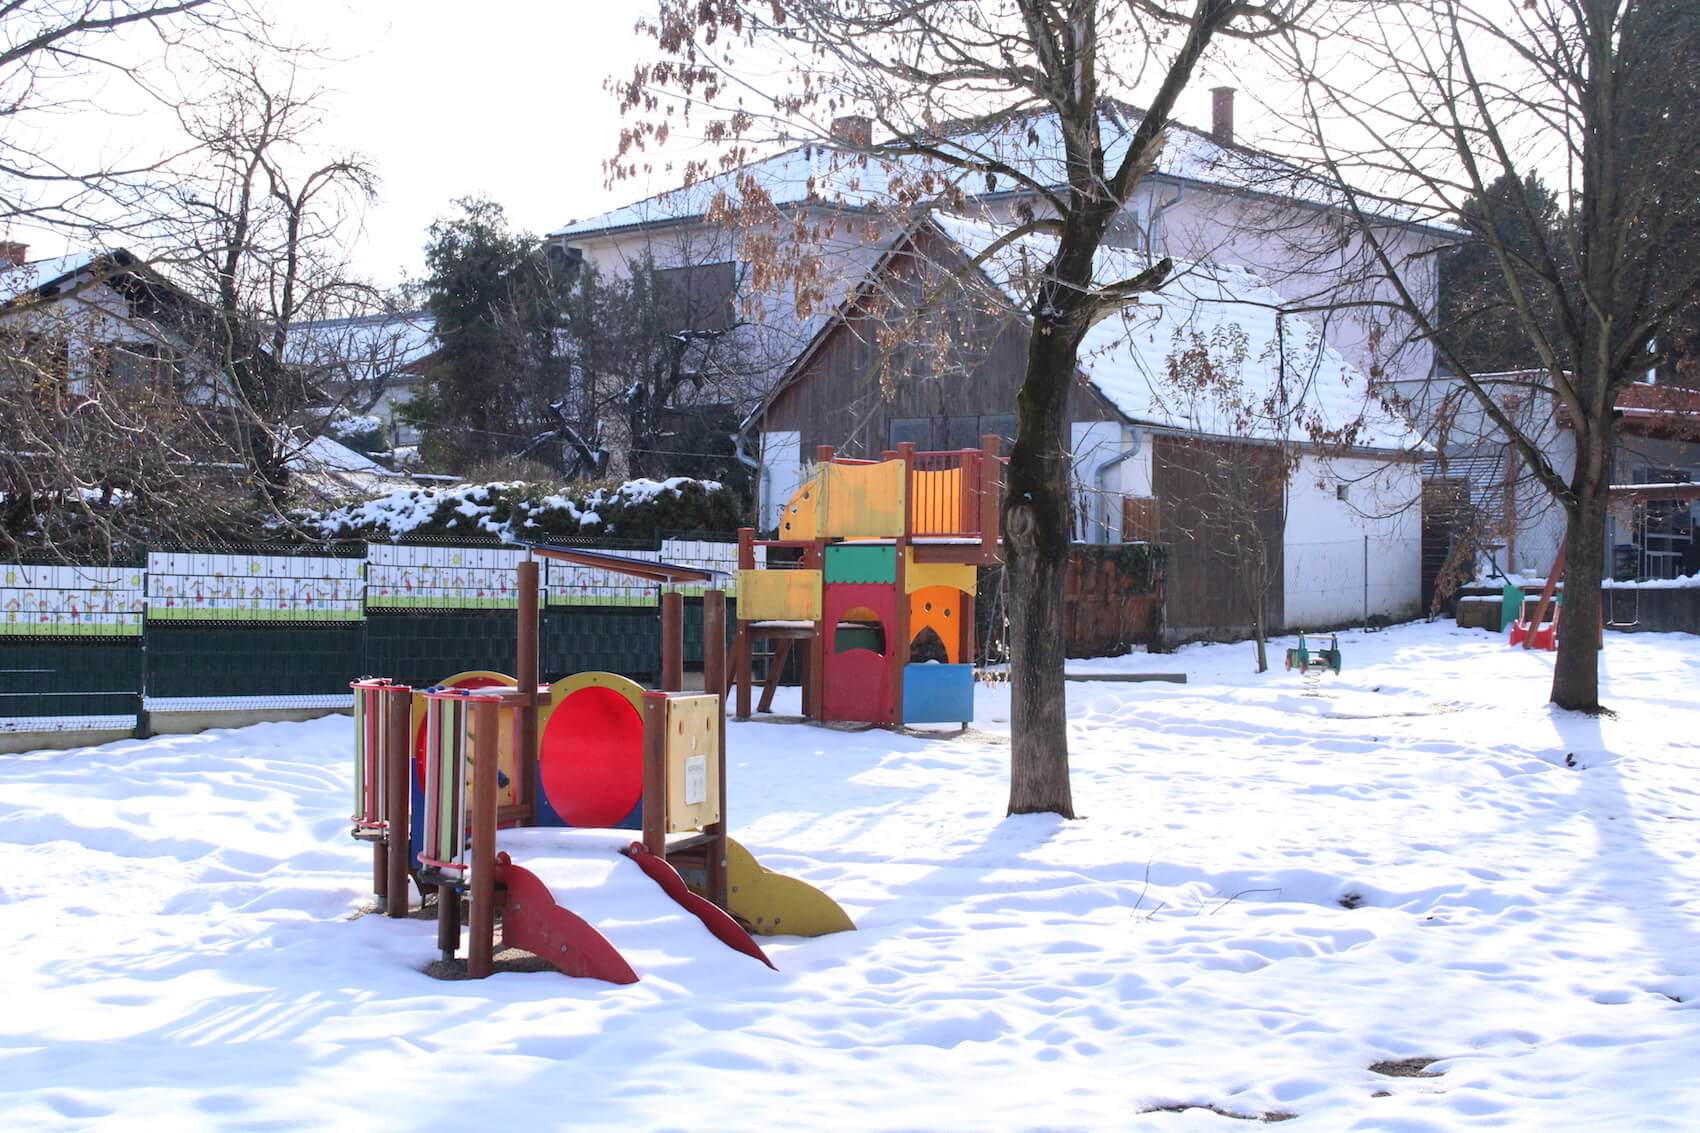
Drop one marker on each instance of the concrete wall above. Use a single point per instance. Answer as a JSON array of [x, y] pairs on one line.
[[1328, 537]]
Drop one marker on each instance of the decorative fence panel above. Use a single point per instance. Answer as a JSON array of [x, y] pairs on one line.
[[59, 600], [96, 647]]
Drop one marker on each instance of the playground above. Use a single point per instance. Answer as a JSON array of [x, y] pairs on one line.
[[1278, 885]]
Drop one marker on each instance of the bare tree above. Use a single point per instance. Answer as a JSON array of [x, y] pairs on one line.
[[1438, 102], [970, 97], [259, 224], [148, 399], [93, 57]]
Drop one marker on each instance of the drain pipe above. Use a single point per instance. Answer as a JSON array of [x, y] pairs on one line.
[[763, 474], [1100, 477]]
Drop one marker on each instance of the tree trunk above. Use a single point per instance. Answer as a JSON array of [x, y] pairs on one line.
[[1576, 673], [1036, 546]]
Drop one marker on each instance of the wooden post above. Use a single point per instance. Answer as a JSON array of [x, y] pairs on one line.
[[906, 453], [991, 502], [775, 669], [448, 920], [398, 774], [655, 773], [742, 660], [672, 641], [714, 643], [965, 632], [381, 872], [898, 645], [714, 681], [525, 674], [486, 720], [814, 667]]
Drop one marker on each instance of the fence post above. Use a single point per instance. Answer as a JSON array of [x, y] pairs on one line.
[[144, 726]]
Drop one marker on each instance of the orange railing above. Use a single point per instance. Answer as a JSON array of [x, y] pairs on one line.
[[944, 493]]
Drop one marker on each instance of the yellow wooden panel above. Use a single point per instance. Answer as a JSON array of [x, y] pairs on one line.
[[773, 904], [938, 502], [797, 521], [693, 762], [919, 576], [779, 595], [864, 500]]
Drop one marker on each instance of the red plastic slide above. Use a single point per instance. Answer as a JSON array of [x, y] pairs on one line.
[[533, 921], [714, 918]]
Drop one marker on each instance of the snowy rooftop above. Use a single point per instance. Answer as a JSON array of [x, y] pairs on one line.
[[1272, 378], [387, 340], [324, 455], [822, 173], [16, 281]]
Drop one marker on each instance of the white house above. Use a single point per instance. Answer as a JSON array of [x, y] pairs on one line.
[[1267, 235]]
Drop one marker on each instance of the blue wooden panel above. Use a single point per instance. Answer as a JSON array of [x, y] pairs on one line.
[[938, 694]]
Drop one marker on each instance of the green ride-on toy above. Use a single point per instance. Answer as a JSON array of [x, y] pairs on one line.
[[1305, 659]]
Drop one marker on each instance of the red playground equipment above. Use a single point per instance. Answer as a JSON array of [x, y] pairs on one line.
[[887, 551], [439, 772]]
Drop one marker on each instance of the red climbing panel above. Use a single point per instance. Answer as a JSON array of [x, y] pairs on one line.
[[533, 921], [591, 758], [856, 684], [714, 918]]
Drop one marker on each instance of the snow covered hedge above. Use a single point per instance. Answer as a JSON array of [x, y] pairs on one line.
[[636, 509]]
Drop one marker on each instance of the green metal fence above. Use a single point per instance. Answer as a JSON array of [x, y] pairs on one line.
[[86, 648]]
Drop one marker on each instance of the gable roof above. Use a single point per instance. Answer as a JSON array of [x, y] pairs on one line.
[[1030, 141], [399, 341], [1276, 376], [42, 276], [1265, 375]]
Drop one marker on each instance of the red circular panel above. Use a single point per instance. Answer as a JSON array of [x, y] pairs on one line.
[[419, 735], [592, 758]]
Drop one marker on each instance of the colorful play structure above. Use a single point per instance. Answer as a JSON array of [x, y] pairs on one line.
[[439, 771], [874, 560]]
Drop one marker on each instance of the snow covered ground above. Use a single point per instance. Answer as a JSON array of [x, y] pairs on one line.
[[1276, 882]]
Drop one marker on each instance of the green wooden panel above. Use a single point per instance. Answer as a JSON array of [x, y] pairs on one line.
[[198, 659], [88, 677], [857, 563]]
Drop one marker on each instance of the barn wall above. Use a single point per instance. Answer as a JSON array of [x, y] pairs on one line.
[[1209, 492]]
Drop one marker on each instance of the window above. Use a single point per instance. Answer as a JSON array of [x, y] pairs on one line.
[[1340, 491], [146, 364], [962, 432], [917, 431], [1000, 425], [699, 296]]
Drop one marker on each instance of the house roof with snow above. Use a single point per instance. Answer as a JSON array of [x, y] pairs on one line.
[[1211, 353], [1030, 142], [395, 340], [46, 278]]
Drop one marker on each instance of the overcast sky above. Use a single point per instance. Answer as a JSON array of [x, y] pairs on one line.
[[503, 97], [449, 98]]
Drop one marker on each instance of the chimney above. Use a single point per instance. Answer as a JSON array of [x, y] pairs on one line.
[[854, 130], [13, 254], [1222, 115]]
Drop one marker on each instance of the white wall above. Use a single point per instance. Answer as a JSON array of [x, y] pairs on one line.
[[1324, 546], [1093, 444], [781, 474]]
